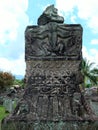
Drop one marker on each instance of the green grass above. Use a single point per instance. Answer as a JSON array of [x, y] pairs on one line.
[[2, 113]]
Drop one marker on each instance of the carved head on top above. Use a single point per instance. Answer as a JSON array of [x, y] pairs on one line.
[[50, 15], [51, 11]]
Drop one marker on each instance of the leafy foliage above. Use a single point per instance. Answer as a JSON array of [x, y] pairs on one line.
[[19, 82], [2, 113], [6, 80], [90, 73]]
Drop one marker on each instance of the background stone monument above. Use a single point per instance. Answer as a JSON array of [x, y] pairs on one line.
[[53, 55]]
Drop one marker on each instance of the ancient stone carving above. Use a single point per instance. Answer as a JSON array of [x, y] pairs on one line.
[[50, 15], [54, 40], [53, 54]]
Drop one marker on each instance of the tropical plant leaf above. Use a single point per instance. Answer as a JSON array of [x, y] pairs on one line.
[[89, 72]]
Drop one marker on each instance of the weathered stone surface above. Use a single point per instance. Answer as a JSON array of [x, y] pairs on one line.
[[40, 71], [50, 15], [53, 40], [53, 54], [53, 93]]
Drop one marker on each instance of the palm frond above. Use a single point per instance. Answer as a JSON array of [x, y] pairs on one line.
[[94, 71], [90, 74]]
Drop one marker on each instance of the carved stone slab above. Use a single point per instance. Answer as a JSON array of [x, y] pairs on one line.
[[53, 41], [53, 55]]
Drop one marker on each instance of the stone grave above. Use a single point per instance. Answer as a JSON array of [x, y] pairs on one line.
[[53, 55]]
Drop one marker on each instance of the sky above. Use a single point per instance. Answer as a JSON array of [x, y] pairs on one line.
[[15, 15]]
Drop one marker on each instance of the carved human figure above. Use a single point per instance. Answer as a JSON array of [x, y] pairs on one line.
[[52, 31]]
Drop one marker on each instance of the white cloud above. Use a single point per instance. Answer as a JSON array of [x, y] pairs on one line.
[[87, 10], [94, 42], [93, 24], [13, 21], [65, 5], [14, 66], [91, 55], [73, 19], [11, 15]]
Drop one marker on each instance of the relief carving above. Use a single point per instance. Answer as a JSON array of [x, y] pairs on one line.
[[53, 55], [53, 40]]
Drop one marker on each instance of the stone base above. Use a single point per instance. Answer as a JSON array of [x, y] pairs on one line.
[[52, 108], [53, 93], [50, 125]]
